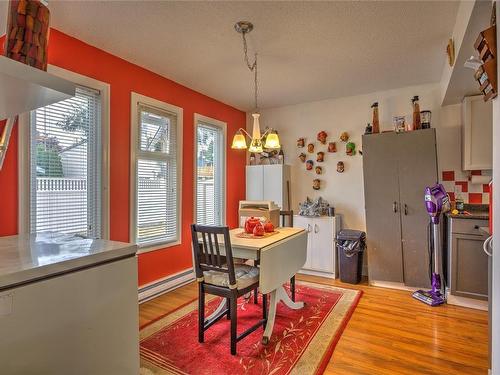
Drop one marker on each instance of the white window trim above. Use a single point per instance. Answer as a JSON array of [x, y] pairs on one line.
[[24, 155], [134, 126], [223, 126]]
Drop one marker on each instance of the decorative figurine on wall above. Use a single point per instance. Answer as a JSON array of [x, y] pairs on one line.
[[340, 167], [332, 147], [309, 165], [316, 184], [344, 137], [310, 148], [350, 148], [322, 137], [302, 157], [301, 142], [318, 170], [320, 157]]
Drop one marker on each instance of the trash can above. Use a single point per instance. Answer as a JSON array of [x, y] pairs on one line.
[[351, 245]]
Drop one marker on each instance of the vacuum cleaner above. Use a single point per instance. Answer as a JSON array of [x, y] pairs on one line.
[[437, 202]]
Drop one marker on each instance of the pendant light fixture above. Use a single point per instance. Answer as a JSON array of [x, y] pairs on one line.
[[271, 137]]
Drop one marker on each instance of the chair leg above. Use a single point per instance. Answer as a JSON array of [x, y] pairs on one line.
[[256, 296], [264, 309], [233, 307], [228, 307], [292, 287], [201, 313]]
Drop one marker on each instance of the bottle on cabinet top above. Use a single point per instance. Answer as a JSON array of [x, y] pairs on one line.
[[416, 114], [375, 122]]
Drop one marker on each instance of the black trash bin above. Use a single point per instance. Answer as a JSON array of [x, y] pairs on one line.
[[351, 245]]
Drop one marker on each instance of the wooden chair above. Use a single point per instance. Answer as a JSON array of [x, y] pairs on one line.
[[217, 274], [283, 216]]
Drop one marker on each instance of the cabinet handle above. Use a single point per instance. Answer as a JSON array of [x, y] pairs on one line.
[[487, 246], [406, 209], [308, 228], [316, 228], [395, 207]]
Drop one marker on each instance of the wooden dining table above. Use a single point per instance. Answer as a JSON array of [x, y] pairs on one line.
[[279, 256]]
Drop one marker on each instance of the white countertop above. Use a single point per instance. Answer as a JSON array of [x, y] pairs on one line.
[[25, 259]]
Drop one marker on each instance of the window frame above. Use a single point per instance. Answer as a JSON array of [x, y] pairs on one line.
[[198, 118], [135, 100], [24, 152]]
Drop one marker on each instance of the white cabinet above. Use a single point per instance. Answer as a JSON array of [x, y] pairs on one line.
[[321, 249], [477, 133], [268, 183]]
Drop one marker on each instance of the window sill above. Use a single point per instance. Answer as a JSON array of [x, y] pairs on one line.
[[161, 246]]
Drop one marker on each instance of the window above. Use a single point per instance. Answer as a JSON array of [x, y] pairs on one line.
[[210, 172], [65, 170], [156, 185]]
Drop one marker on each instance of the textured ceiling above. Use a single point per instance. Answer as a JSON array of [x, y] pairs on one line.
[[307, 50]]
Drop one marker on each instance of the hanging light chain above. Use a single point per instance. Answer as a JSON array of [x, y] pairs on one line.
[[252, 67]]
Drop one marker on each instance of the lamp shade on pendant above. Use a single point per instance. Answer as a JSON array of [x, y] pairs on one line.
[[256, 146], [272, 141], [239, 141]]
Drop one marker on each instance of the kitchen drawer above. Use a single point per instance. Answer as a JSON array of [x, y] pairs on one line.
[[468, 226]]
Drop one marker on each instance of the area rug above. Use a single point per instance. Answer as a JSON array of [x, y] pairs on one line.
[[302, 341]]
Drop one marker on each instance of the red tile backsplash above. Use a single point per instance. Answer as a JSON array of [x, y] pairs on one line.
[[475, 198], [448, 175], [464, 185], [457, 183]]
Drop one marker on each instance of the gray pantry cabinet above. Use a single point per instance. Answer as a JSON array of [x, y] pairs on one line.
[[396, 168]]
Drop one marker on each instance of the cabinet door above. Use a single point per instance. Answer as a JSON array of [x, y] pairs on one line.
[[306, 223], [255, 182], [477, 133], [322, 245], [417, 170], [273, 184], [383, 225], [469, 267]]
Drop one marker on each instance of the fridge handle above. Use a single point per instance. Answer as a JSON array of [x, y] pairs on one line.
[[487, 246]]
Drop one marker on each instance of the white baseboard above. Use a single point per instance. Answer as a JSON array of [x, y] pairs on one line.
[[317, 273], [392, 285], [466, 302], [166, 284]]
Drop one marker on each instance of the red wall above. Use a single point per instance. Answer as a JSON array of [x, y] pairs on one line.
[[72, 54]]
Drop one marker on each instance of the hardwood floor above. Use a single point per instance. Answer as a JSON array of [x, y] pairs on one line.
[[389, 333]]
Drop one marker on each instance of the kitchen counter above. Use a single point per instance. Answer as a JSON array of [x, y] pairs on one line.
[[472, 211], [24, 259]]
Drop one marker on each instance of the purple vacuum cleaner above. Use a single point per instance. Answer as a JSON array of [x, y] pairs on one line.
[[437, 202]]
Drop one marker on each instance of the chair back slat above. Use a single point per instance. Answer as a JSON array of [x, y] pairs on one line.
[[211, 249], [217, 250], [207, 256], [204, 249]]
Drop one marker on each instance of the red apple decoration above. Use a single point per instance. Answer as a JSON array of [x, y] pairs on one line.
[[269, 227], [250, 223], [258, 230]]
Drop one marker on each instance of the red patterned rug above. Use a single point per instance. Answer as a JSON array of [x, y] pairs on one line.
[[302, 341]]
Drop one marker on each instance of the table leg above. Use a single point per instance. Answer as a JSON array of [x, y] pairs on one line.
[[277, 295]]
